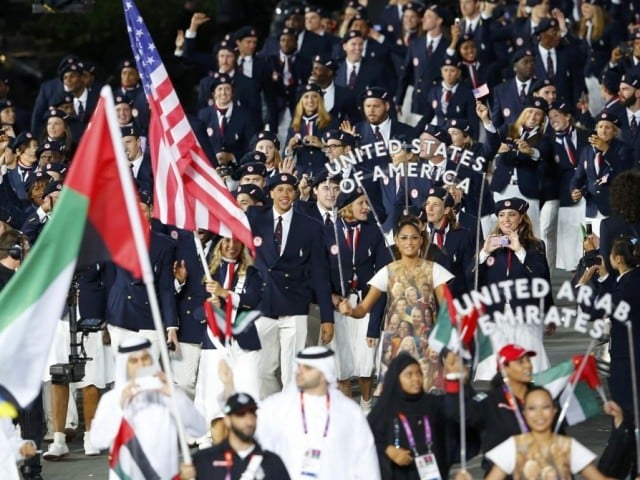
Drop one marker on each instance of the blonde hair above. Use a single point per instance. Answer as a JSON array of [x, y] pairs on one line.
[[324, 118], [598, 22], [244, 262]]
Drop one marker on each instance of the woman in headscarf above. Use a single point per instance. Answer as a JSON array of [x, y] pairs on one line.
[[409, 425]]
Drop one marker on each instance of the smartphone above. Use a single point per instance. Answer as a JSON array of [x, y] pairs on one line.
[[588, 228], [502, 241]]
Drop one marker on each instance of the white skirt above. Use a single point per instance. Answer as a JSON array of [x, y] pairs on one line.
[[209, 395], [99, 371], [569, 240], [528, 336], [354, 358]]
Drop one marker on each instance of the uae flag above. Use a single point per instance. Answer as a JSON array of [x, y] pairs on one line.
[[580, 393], [90, 223], [127, 460], [450, 326]]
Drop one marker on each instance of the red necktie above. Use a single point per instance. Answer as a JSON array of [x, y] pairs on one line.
[[472, 75], [447, 96], [550, 72], [352, 78], [327, 220], [277, 235], [523, 93], [223, 119]]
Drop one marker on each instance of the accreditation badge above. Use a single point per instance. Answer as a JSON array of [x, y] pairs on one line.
[[311, 463], [427, 467]]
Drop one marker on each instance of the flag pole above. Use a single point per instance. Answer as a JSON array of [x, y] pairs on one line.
[[634, 389], [462, 409], [476, 272], [133, 212], [202, 256], [572, 385], [375, 216]]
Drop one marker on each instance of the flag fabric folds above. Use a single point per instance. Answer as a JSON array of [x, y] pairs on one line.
[[88, 224], [450, 325], [583, 400], [127, 460], [188, 192]]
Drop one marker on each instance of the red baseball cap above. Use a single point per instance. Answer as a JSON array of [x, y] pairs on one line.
[[511, 352]]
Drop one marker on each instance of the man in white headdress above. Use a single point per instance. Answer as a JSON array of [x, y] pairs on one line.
[[135, 419], [316, 430]]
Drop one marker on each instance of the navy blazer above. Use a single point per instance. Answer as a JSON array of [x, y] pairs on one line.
[[92, 292], [310, 160], [370, 73], [421, 71], [625, 289], [495, 269], [506, 105], [612, 228], [280, 96], [462, 106], [128, 303], [314, 44], [371, 255], [192, 295], [249, 300], [529, 172], [290, 279], [595, 186], [458, 247], [628, 137], [246, 93], [237, 134], [566, 169], [568, 77]]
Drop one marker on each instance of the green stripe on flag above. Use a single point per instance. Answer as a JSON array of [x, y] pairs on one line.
[[584, 404], [556, 378], [57, 247]]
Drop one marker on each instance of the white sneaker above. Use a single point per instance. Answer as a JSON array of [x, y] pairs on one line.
[[56, 452], [89, 449]]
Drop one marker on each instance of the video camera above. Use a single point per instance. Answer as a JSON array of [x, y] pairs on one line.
[[74, 370]]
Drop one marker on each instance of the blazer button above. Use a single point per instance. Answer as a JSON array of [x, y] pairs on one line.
[[264, 284], [188, 298], [188, 312], [128, 297], [286, 275], [146, 303], [419, 90], [286, 287], [268, 269]]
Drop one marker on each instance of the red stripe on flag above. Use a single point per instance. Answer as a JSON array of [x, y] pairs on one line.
[[125, 433], [94, 173]]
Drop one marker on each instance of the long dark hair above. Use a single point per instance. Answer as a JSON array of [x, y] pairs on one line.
[[629, 249]]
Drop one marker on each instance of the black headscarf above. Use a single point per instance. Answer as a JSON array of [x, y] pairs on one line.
[[393, 398]]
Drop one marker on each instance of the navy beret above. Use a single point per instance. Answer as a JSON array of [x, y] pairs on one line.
[[460, 124], [442, 194], [521, 53], [266, 135], [52, 187], [518, 204], [344, 137], [253, 157], [606, 116], [438, 133], [254, 191], [345, 199], [352, 34], [20, 140], [131, 131], [375, 92], [55, 112], [33, 178], [280, 179]]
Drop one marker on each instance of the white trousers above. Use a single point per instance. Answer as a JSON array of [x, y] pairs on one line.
[[281, 339], [569, 241], [549, 229], [184, 364], [209, 390]]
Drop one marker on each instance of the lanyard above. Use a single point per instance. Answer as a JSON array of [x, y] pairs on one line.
[[228, 460], [514, 407], [304, 415], [353, 245], [409, 433]]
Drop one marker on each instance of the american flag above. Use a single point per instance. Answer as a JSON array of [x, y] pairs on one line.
[[188, 192]]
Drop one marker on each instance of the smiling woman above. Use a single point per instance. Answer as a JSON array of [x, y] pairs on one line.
[[407, 274], [540, 453]]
